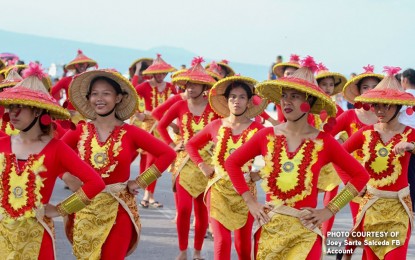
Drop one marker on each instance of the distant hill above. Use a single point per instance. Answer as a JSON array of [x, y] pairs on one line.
[[59, 51]]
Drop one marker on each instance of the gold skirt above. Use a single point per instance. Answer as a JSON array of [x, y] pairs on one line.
[[92, 224]]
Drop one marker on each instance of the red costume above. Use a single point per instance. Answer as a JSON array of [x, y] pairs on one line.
[[228, 212], [112, 160], [148, 99], [42, 170], [307, 161], [190, 183]]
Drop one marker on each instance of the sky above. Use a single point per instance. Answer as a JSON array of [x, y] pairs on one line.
[[344, 35]]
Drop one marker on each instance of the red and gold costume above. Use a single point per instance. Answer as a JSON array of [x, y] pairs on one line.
[[387, 197], [25, 232], [290, 182], [227, 210], [148, 99], [94, 227], [190, 181]]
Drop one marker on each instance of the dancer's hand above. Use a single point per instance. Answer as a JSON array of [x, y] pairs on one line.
[[178, 147], [257, 210], [316, 217], [403, 147], [132, 187], [51, 211], [255, 176], [140, 116], [137, 68], [206, 169]]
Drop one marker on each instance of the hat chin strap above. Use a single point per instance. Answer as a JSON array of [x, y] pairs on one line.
[[108, 113], [398, 108], [241, 113], [30, 125], [299, 117]]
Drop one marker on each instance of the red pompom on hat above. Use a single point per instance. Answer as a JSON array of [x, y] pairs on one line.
[[388, 91], [196, 74], [80, 59], [351, 90], [279, 68], [31, 92], [339, 79], [302, 80], [159, 66]]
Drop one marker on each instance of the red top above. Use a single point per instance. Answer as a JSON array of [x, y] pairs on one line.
[[188, 123], [291, 177], [387, 170], [112, 159], [347, 121], [152, 97], [57, 158], [63, 84], [159, 111], [210, 133]]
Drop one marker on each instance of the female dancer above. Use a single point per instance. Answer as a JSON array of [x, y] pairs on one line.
[[294, 153], [232, 99], [109, 228], [30, 162], [387, 147], [193, 115]]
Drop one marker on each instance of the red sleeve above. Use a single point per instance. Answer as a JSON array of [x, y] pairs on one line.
[[168, 118], [352, 170], [341, 123], [134, 80], [253, 147], [265, 115], [70, 162], [355, 142], [61, 84], [159, 111], [199, 140], [71, 137], [163, 153]]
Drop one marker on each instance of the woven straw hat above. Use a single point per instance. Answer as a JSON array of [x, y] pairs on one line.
[[11, 80], [131, 69], [80, 58], [196, 74], [80, 87], [224, 65], [302, 80], [219, 103], [32, 92], [159, 66], [351, 90], [339, 79], [388, 91], [279, 68], [214, 70]]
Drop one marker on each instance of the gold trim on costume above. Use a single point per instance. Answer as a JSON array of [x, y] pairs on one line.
[[148, 177], [73, 203], [343, 198]]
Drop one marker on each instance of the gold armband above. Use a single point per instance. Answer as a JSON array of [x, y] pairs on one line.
[[341, 199], [343, 136], [73, 203], [148, 177]]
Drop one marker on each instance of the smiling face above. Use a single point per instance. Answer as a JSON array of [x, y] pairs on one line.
[[327, 85], [238, 101], [290, 102], [22, 116], [103, 97], [384, 112]]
